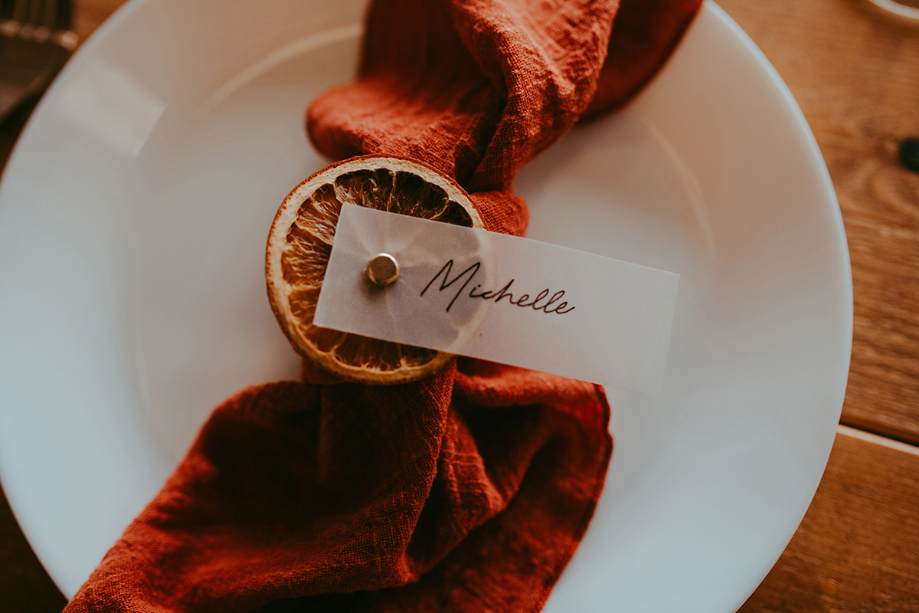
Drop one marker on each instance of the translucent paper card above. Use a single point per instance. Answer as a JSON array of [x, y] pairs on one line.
[[501, 298]]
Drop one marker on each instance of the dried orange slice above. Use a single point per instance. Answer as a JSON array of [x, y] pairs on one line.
[[300, 242]]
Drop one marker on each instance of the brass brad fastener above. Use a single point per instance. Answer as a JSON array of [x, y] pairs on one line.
[[382, 270]]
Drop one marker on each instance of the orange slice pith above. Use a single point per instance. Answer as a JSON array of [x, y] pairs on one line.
[[300, 242]]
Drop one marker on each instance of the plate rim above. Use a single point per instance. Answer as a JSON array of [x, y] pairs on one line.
[[87, 50], [843, 259]]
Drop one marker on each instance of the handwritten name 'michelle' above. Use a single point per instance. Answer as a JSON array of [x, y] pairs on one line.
[[552, 305]]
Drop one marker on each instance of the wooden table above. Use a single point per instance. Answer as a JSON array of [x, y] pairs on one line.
[[855, 72]]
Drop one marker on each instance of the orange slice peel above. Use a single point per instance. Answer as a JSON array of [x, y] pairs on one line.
[[300, 243]]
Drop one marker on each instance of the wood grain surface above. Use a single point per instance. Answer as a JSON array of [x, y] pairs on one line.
[[855, 73], [857, 550]]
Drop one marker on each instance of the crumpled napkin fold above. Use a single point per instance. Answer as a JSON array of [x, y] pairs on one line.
[[466, 491]]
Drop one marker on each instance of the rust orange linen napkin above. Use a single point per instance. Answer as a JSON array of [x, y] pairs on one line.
[[466, 491]]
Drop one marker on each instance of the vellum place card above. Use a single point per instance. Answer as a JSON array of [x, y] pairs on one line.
[[501, 298]]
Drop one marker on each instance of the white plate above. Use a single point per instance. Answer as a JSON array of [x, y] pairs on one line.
[[133, 217]]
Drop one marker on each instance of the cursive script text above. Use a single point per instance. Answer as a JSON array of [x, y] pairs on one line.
[[553, 304]]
